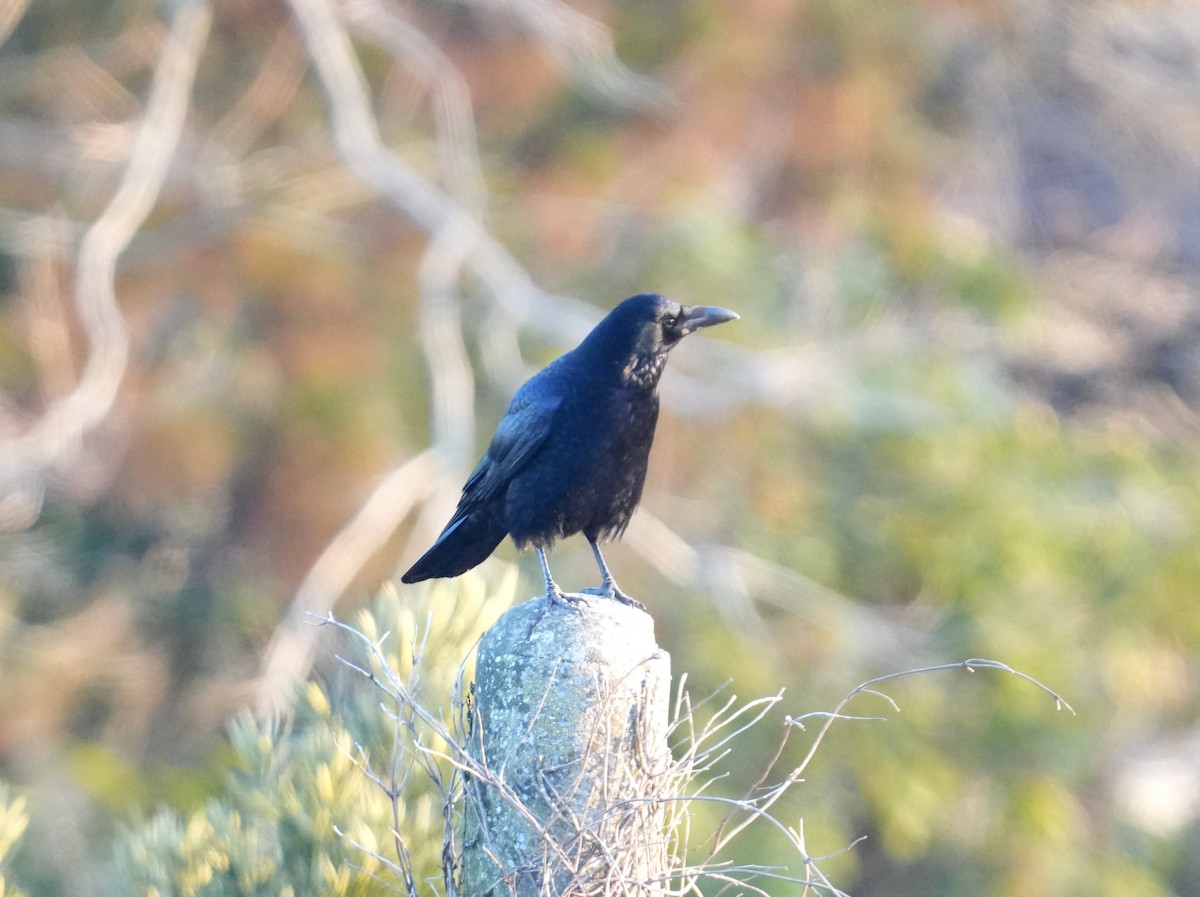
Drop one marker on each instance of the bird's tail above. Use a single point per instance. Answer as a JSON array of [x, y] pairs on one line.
[[466, 542]]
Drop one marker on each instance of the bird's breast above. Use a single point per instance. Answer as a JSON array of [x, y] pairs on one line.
[[589, 476]]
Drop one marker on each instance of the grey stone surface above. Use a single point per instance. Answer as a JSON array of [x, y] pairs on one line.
[[570, 718]]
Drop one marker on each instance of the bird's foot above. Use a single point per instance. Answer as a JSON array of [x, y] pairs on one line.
[[611, 590], [569, 600], [628, 600]]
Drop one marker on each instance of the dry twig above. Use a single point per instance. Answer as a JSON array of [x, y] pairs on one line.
[[427, 742]]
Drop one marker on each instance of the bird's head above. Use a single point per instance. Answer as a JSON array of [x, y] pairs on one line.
[[650, 326]]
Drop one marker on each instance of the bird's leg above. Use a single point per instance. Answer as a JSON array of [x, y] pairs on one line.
[[553, 592], [609, 588]]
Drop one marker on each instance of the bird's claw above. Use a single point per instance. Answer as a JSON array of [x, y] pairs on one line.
[[628, 600], [569, 600], [610, 590]]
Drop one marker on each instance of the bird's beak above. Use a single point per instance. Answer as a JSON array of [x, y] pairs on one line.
[[696, 316]]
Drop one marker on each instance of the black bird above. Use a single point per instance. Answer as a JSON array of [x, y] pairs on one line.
[[570, 453]]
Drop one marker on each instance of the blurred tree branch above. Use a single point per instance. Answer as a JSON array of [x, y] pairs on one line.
[[460, 250], [57, 437], [458, 242], [10, 13]]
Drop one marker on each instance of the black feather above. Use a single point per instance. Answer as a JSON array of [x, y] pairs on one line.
[[571, 452]]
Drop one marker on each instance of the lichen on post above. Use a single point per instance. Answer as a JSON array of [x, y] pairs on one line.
[[569, 721]]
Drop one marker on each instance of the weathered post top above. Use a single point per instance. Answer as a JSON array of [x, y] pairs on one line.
[[570, 720]]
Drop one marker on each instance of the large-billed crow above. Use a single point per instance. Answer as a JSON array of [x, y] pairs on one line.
[[570, 453]]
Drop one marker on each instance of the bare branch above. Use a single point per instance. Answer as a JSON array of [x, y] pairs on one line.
[[10, 14], [289, 654], [584, 47], [454, 117], [58, 436], [679, 786]]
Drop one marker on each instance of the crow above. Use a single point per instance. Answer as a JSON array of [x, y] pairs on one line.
[[570, 454]]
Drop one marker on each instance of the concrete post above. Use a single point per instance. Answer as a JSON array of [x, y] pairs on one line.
[[570, 719]]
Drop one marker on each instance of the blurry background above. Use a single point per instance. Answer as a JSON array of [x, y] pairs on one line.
[[958, 417]]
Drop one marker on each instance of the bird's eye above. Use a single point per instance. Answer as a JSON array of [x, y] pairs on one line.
[[670, 321]]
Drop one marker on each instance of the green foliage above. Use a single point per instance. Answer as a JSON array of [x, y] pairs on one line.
[[1067, 551], [298, 813], [858, 179], [272, 832], [13, 821]]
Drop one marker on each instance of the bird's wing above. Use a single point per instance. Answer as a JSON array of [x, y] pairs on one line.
[[520, 435], [477, 526]]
